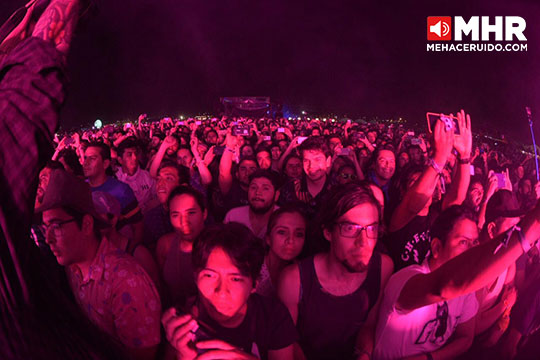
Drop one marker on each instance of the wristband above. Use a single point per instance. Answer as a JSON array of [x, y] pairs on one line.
[[464, 161], [435, 166], [229, 149]]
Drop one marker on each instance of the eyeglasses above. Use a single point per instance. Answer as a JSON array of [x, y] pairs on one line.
[[351, 230], [348, 176], [56, 227]]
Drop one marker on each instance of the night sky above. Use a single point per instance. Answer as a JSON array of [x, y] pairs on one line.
[[178, 57]]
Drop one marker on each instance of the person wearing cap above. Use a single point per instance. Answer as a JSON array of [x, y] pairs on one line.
[[497, 298], [110, 287]]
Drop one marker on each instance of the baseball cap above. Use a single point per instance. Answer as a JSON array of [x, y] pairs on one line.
[[503, 204], [67, 190]]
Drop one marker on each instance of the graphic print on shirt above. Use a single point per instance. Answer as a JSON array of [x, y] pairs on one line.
[[434, 330], [412, 246]]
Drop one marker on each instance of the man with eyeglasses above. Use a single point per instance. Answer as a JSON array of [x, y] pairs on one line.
[[110, 287], [334, 297]]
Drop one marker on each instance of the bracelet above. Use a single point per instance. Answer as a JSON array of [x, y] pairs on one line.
[[429, 356], [464, 161], [229, 149], [434, 165]]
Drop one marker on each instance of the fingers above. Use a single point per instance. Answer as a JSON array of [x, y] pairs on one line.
[[214, 344]]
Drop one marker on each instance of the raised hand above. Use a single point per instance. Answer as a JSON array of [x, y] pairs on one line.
[[221, 350], [443, 142], [463, 141]]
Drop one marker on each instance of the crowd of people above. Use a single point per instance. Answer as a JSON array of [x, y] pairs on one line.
[[238, 237]]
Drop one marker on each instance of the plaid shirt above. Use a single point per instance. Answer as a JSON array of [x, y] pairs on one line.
[[31, 93]]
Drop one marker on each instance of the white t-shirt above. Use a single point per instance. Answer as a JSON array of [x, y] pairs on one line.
[[241, 215], [143, 186], [426, 329]]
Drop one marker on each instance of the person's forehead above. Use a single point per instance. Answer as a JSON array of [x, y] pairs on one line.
[[131, 150], [248, 164], [261, 181], [464, 228], [183, 200], [386, 154], [315, 153], [54, 214], [184, 152], [365, 212], [219, 260], [168, 171], [92, 150]]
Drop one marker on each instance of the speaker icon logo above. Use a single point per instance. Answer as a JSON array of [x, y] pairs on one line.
[[439, 28]]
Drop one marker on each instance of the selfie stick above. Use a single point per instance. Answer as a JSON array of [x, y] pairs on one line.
[[528, 109]]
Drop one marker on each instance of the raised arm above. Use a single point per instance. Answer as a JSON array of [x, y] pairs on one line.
[[472, 270], [206, 176], [463, 144], [225, 177], [418, 195], [168, 142]]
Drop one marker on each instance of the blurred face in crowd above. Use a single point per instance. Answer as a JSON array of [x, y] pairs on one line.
[[287, 237], [385, 165], [44, 176], [475, 195], [372, 136], [276, 152], [315, 164], [211, 138], [261, 195], [245, 169], [155, 142], [94, 165], [525, 187], [184, 157], [346, 175], [187, 217], [64, 236], [167, 180], [462, 237], [333, 142], [316, 132], [283, 144], [520, 172], [247, 151], [415, 155], [173, 148], [403, 160], [130, 160], [223, 289], [501, 225], [293, 168], [351, 246], [264, 160]]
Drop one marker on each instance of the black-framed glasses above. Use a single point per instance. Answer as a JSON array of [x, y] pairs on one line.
[[350, 230], [56, 227]]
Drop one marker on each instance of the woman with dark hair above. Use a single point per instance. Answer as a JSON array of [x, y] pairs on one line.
[[286, 233], [228, 319], [187, 212], [70, 160]]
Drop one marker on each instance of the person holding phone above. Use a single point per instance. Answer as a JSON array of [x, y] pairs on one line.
[[237, 323]]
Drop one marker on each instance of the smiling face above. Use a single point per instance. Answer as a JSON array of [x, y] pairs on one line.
[[315, 164], [354, 253], [287, 237], [223, 288], [385, 164], [184, 157]]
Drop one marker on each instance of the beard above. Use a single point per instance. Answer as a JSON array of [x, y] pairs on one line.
[[259, 210], [358, 268]]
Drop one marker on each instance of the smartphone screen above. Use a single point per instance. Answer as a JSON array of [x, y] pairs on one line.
[[501, 180], [448, 121]]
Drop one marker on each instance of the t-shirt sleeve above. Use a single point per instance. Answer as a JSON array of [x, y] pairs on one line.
[[470, 308], [281, 329], [396, 284]]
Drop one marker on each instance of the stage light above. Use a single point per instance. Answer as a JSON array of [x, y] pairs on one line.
[[303, 112], [324, 119], [98, 124], [181, 117], [299, 118], [290, 118]]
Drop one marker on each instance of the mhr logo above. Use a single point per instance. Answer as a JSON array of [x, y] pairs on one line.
[[439, 28]]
